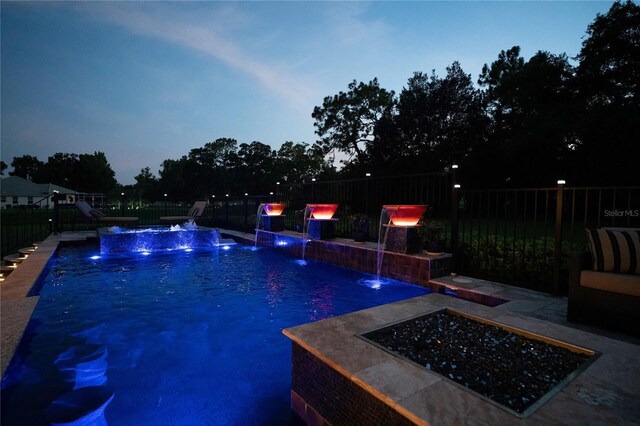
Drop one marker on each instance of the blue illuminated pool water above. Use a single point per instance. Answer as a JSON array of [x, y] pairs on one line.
[[192, 338]]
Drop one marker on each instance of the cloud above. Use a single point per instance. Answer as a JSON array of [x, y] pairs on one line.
[[350, 25], [208, 33]]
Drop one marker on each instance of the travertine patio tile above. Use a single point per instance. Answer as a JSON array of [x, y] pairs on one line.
[[395, 379]]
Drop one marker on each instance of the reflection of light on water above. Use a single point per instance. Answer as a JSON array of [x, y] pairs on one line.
[[188, 250], [300, 262], [226, 247], [95, 257], [374, 283], [282, 243], [145, 253]]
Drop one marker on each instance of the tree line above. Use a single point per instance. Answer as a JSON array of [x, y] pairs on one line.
[[523, 123]]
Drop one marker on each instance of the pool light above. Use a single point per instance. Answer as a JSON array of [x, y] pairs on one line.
[[96, 257]]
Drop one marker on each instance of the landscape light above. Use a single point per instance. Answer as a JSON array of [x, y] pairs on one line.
[[367, 174], [313, 179], [456, 186], [455, 166], [562, 182]]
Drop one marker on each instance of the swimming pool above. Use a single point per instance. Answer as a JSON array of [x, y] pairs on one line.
[[192, 337]]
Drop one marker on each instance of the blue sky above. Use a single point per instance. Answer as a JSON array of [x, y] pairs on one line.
[[147, 81]]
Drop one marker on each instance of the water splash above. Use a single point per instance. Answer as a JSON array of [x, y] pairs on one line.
[[382, 242], [305, 228]]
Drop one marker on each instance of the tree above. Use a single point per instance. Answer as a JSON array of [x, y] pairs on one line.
[[3, 167], [440, 120], [208, 170], [299, 162], [256, 167], [346, 122], [27, 166], [609, 93], [147, 185], [94, 174], [531, 104]]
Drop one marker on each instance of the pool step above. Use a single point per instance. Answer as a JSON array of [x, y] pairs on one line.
[[14, 258], [6, 270], [27, 251]]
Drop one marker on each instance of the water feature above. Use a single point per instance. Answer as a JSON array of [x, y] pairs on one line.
[[145, 240], [380, 255], [189, 337], [400, 217], [258, 217], [305, 228]]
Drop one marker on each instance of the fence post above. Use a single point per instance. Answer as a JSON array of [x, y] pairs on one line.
[[56, 213], [122, 205], [454, 229], [226, 211], [557, 253], [455, 187], [246, 212]]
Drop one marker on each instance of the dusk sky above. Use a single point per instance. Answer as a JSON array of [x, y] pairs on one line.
[[147, 81]]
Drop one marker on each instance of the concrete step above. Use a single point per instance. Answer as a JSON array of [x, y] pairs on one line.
[[27, 251], [14, 258], [6, 270], [36, 244]]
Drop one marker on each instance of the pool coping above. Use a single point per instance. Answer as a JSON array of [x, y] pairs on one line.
[[604, 393]]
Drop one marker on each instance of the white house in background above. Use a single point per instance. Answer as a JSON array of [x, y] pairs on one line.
[[17, 192]]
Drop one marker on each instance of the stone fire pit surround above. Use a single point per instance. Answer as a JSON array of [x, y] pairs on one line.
[[338, 377]]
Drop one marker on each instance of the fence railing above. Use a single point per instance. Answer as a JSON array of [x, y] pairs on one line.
[[525, 236], [516, 236]]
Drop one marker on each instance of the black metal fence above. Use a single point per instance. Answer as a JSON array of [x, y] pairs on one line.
[[516, 236], [525, 236]]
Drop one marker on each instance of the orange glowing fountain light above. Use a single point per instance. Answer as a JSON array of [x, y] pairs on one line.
[[405, 215], [322, 211], [274, 209]]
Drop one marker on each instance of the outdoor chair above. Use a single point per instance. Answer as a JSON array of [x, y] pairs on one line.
[[194, 213], [99, 218]]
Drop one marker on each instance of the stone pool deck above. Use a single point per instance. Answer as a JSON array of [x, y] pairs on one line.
[[339, 378], [527, 309]]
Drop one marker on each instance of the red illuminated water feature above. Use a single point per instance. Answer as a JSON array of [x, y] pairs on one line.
[[322, 211], [274, 209], [405, 215]]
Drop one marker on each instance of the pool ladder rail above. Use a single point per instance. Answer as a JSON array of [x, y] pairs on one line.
[[12, 261]]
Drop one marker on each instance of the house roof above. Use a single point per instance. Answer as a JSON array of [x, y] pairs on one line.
[[19, 187]]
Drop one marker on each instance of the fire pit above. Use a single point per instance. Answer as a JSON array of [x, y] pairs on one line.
[[513, 369]]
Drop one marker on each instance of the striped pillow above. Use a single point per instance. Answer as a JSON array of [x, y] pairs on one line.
[[615, 250]]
